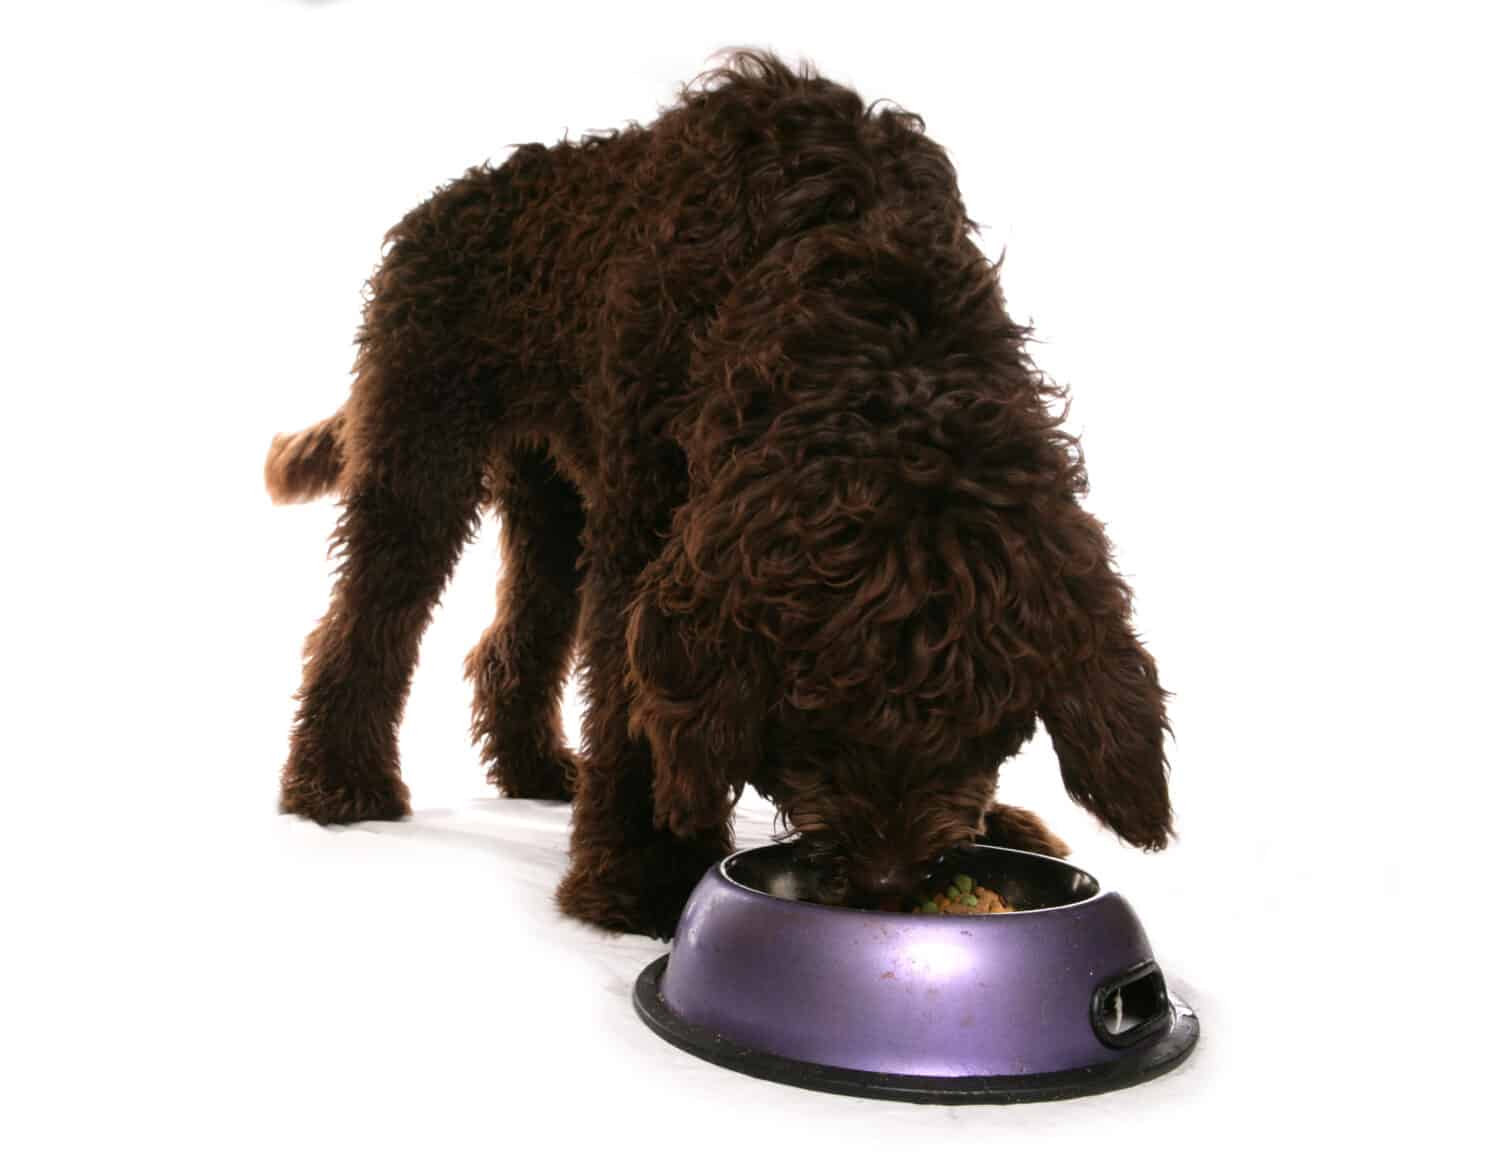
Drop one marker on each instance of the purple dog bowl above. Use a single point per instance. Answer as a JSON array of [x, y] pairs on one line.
[[1058, 998]]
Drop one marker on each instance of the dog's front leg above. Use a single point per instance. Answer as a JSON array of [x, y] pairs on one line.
[[1006, 826], [628, 870]]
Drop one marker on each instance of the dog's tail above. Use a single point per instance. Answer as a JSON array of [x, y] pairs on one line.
[[306, 464]]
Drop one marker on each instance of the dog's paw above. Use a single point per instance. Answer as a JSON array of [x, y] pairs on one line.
[[585, 899], [642, 889], [344, 801], [534, 774], [1008, 827]]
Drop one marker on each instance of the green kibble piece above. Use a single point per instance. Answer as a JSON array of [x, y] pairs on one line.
[[953, 893], [971, 900], [930, 908], [964, 884]]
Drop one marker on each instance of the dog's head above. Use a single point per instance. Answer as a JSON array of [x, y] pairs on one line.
[[849, 648], [883, 595], [869, 551], [883, 576]]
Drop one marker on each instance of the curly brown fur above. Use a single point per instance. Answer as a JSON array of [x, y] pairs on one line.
[[770, 457], [305, 465], [1006, 826]]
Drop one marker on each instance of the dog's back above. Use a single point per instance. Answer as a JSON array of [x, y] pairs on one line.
[[593, 268]]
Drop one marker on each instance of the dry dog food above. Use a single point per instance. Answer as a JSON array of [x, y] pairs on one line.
[[963, 898]]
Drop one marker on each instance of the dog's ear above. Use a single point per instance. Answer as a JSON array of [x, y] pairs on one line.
[[1101, 700], [695, 696]]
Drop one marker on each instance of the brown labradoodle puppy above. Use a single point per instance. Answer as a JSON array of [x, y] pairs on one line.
[[768, 453]]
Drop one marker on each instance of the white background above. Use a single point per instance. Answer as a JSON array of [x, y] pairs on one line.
[[1259, 244]]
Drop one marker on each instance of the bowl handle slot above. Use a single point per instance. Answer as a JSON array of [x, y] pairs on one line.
[[1131, 1006]]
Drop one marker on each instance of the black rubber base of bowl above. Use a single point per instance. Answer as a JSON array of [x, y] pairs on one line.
[[1152, 1058]]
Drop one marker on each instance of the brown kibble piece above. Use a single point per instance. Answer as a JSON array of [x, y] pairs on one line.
[[991, 900]]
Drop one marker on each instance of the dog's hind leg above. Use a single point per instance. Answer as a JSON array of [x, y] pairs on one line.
[[519, 665], [412, 494]]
